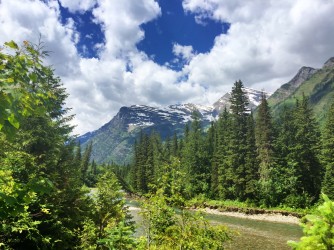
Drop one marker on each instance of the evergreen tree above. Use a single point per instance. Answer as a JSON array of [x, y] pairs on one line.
[[238, 142], [175, 146], [299, 172], [195, 160], [283, 183], [221, 155], [251, 175], [264, 134], [264, 139], [39, 174], [328, 154], [305, 153], [145, 169], [214, 182], [158, 155], [78, 156], [85, 161]]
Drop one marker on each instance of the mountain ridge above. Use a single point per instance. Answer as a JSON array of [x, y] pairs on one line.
[[114, 140]]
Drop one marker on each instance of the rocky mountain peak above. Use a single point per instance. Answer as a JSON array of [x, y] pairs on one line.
[[329, 63], [254, 97], [302, 75]]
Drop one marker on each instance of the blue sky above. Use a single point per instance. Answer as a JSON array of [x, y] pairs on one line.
[[114, 53], [172, 26]]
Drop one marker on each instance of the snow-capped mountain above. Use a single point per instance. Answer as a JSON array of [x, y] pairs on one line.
[[112, 142], [146, 116], [254, 98]]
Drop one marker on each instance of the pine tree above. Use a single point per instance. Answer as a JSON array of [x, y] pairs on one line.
[[238, 142], [195, 160], [283, 183], [299, 172], [264, 134], [221, 157], [158, 157], [78, 156], [175, 146], [264, 138], [251, 175], [41, 173], [212, 139], [86, 160], [305, 154], [328, 154]]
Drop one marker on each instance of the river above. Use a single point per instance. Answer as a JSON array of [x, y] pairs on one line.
[[252, 234]]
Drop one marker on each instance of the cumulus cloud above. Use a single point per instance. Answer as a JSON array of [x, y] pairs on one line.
[[268, 41], [121, 22], [78, 5], [184, 52]]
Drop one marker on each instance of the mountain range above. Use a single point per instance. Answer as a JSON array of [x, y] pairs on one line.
[[113, 142]]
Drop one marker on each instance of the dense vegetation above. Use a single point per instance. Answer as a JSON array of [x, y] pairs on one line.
[[263, 161], [44, 199], [45, 202]]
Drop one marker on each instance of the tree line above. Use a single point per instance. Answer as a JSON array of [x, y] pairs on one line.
[[45, 202], [256, 158], [52, 196], [44, 199]]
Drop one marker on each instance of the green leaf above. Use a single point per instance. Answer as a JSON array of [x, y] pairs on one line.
[[12, 45], [13, 121], [33, 77], [9, 80]]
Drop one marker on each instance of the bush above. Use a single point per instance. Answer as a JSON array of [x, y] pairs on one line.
[[318, 228]]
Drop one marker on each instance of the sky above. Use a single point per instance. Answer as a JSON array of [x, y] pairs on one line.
[[114, 53]]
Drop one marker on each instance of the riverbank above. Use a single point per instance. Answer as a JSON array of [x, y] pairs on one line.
[[268, 216], [272, 217]]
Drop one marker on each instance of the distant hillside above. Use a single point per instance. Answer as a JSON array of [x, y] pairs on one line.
[[318, 84], [288, 88], [114, 141]]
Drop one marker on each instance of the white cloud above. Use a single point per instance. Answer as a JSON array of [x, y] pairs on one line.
[[267, 43], [121, 20], [184, 52], [78, 5]]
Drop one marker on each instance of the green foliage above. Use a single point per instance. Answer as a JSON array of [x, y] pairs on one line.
[[85, 161], [235, 154], [264, 135], [24, 84], [318, 228], [195, 159], [114, 230], [87, 235], [119, 238], [318, 88], [327, 154], [165, 229]]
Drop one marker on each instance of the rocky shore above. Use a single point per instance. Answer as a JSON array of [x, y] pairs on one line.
[[273, 217]]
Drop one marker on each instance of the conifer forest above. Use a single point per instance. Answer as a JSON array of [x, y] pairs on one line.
[[53, 196]]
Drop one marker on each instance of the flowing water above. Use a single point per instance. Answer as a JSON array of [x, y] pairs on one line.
[[251, 234]]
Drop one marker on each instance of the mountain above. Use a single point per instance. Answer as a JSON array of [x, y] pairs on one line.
[[114, 140], [254, 97], [288, 88], [317, 84]]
